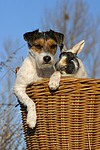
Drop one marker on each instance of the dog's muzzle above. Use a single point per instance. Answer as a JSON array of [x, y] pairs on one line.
[[47, 59]]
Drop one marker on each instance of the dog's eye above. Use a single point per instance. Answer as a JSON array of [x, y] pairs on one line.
[[38, 46], [53, 46]]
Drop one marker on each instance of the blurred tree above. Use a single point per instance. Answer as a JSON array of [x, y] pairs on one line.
[[11, 132], [74, 20]]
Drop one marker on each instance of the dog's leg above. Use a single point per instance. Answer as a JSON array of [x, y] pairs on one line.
[[24, 77], [19, 91], [54, 80]]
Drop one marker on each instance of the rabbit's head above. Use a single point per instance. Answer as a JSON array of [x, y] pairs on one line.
[[69, 64]]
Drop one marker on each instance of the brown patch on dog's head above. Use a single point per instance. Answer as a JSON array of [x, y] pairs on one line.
[[44, 40]]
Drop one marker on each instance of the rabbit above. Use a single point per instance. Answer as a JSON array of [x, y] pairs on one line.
[[68, 65]]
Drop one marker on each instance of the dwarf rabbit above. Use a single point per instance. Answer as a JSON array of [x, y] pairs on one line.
[[68, 65]]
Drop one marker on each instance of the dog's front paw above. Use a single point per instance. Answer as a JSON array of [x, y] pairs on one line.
[[54, 80], [31, 118]]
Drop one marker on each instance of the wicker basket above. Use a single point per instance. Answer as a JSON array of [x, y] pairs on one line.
[[68, 119]]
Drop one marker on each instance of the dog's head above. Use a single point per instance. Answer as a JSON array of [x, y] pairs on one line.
[[43, 46], [69, 64]]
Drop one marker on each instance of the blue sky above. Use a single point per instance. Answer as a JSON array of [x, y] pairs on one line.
[[20, 16]]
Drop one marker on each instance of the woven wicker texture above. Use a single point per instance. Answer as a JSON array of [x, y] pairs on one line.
[[68, 119]]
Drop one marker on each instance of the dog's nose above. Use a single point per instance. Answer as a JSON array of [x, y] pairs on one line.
[[47, 59]]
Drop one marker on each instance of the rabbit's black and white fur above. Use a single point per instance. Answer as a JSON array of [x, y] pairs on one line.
[[68, 65]]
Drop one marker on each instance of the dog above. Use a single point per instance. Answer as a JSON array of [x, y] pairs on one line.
[[42, 47], [68, 65]]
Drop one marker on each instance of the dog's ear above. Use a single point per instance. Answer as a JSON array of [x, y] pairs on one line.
[[78, 47], [63, 48], [30, 37], [59, 37]]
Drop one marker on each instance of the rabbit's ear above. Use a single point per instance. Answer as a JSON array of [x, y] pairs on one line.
[[78, 47]]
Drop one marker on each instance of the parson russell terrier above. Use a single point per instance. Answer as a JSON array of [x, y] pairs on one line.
[[39, 63], [68, 65]]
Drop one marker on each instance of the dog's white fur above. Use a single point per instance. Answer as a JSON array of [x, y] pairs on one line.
[[33, 69], [38, 65], [81, 73]]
